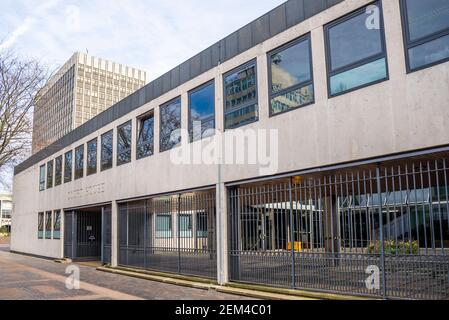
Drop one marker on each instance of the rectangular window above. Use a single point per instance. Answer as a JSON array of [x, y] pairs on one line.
[[42, 178], [202, 112], [92, 157], [170, 125], [124, 137], [50, 169], [201, 225], [79, 162], [68, 166], [40, 225], [57, 225], [48, 225], [426, 32], [355, 51], [163, 226], [240, 88], [185, 226], [291, 76], [106, 150], [145, 136], [58, 171]]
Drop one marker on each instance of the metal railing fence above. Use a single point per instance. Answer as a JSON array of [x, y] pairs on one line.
[[173, 234], [377, 230]]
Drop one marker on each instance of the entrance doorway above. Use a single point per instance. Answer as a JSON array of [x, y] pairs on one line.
[[87, 234]]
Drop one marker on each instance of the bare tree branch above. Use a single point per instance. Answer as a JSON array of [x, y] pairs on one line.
[[21, 85]]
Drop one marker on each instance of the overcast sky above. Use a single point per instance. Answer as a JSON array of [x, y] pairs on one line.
[[155, 35]]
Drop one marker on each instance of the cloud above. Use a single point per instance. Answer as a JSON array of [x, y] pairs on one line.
[[27, 24], [154, 35]]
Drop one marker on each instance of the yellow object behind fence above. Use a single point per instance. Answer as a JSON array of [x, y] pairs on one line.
[[298, 246]]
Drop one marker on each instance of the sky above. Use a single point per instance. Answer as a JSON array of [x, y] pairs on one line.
[[152, 35]]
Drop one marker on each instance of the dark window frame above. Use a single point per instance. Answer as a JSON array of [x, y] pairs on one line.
[[40, 225], [58, 174], [120, 163], [242, 67], [170, 225], [48, 233], [55, 214], [160, 122], [384, 54], [108, 167], [89, 169], [82, 149], [409, 44], [42, 177], [66, 178], [189, 109], [140, 120], [50, 174], [271, 95]]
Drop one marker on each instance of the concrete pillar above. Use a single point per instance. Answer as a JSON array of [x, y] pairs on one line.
[[330, 218], [114, 234], [62, 233], [222, 235]]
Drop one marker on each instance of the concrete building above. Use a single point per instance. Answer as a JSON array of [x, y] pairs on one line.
[[5, 210], [84, 87], [333, 175]]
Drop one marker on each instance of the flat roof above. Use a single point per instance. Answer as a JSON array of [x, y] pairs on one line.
[[267, 26]]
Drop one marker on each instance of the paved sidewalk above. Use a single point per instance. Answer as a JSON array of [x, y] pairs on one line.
[[29, 278]]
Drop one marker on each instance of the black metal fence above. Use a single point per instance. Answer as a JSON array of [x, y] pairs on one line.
[[173, 234], [377, 230]]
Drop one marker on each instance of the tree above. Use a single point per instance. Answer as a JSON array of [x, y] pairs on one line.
[[21, 84]]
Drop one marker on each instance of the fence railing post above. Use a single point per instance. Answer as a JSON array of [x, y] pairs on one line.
[[381, 234], [292, 233], [179, 232]]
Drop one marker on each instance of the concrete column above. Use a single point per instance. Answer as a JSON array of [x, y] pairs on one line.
[[62, 232], [114, 234], [262, 80], [330, 218], [222, 235], [185, 111]]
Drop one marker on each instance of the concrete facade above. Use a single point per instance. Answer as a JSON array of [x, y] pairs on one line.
[[407, 112]]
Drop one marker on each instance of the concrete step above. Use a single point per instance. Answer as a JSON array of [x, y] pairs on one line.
[[203, 284]]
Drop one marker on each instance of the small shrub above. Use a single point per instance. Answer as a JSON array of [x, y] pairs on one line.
[[395, 247]]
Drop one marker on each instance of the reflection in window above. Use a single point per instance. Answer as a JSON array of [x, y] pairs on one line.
[[92, 157], [58, 171], [241, 97], [50, 174], [48, 225], [163, 226], [79, 162], [145, 139], [124, 143], [57, 225], [427, 25], [106, 150], [40, 225], [365, 62], [185, 226], [170, 135], [291, 77], [202, 112], [42, 178], [68, 166]]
